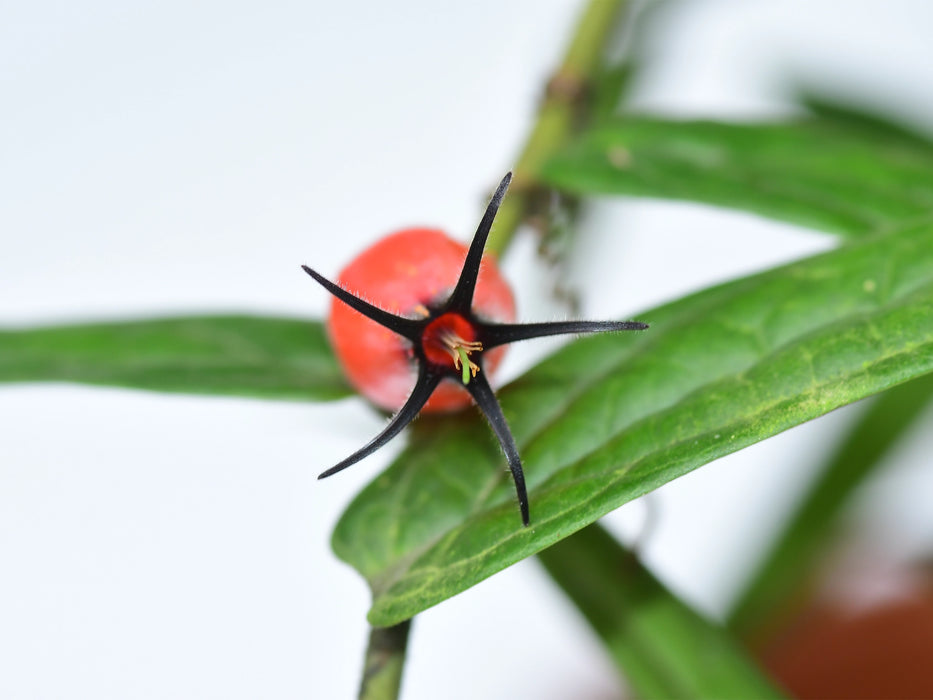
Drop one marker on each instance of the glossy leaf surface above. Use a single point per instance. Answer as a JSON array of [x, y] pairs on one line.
[[608, 419]]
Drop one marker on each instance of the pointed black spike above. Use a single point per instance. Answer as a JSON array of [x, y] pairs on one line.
[[424, 387], [409, 328], [486, 400], [494, 334], [461, 299]]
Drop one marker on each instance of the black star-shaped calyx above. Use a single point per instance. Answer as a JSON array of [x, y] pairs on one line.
[[465, 361]]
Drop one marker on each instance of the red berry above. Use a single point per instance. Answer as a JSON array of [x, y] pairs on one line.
[[438, 317], [408, 273]]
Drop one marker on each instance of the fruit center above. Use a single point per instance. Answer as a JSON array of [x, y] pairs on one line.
[[449, 339]]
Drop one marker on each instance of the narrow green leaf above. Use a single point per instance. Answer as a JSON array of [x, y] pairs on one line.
[[872, 124], [780, 581], [822, 173], [276, 358], [663, 648], [611, 84], [610, 418]]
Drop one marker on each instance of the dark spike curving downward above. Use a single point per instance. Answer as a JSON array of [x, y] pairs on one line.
[[483, 394], [491, 334], [425, 385]]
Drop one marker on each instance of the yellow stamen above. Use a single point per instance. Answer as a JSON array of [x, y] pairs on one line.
[[460, 350]]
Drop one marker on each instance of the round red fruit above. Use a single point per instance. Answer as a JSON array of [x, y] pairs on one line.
[[411, 273]]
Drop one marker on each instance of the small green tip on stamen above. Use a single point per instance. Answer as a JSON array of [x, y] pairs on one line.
[[464, 363]]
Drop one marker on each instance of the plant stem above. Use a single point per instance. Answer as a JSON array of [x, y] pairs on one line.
[[385, 659], [663, 647], [559, 115]]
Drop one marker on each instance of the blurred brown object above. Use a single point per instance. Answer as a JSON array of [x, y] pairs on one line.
[[872, 639]]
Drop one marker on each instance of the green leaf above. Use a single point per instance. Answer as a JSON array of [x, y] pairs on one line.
[[824, 173], [861, 118], [276, 358], [663, 648], [609, 418], [780, 582], [611, 83]]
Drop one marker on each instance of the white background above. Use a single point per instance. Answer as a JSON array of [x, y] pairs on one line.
[[186, 157]]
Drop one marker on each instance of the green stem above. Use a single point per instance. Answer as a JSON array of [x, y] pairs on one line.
[[559, 117], [385, 659], [664, 648], [560, 114]]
